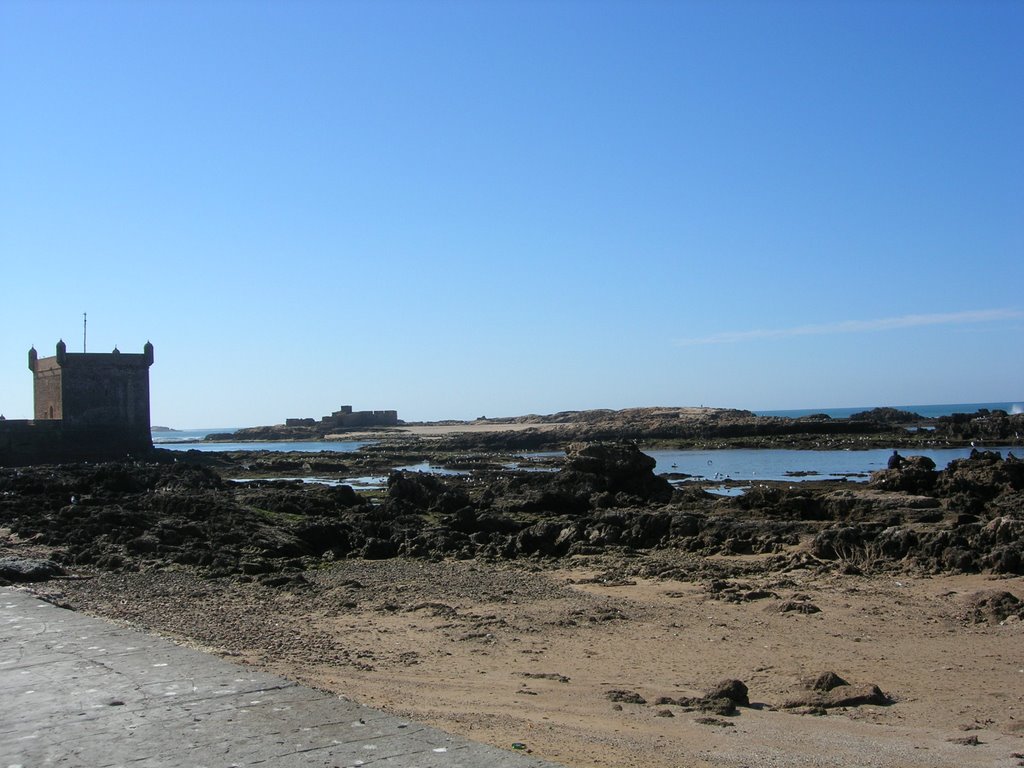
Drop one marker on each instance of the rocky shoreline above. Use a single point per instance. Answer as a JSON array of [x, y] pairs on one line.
[[583, 590], [967, 517]]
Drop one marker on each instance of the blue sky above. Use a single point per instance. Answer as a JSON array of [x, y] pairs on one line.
[[458, 209]]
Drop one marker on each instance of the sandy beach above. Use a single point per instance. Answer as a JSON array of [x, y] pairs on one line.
[[510, 654]]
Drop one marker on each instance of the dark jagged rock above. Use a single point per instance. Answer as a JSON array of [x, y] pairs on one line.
[[595, 476], [418, 489], [840, 696], [544, 537], [625, 697], [171, 512], [913, 474], [887, 416], [716, 705], [27, 569], [874, 503], [838, 542], [992, 607], [795, 606], [783, 503], [826, 681], [615, 469], [986, 425], [984, 474], [733, 690], [722, 699]]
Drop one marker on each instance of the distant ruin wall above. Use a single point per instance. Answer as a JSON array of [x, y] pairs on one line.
[[367, 419], [346, 418]]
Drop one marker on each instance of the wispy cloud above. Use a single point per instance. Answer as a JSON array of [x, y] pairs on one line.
[[856, 326]]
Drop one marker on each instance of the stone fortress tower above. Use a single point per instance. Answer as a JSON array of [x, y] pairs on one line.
[[88, 406], [84, 389]]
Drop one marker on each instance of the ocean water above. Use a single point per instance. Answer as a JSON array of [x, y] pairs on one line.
[[928, 411], [193, 440], [186, 435], [780, 464], [328, 446]]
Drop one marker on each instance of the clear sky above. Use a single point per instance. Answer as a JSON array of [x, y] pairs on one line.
[[457, 209]]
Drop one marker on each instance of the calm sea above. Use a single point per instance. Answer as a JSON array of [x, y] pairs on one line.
[[193, 440], [186, 435]]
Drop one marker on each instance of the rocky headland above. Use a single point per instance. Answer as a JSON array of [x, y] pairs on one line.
[[679, 427]]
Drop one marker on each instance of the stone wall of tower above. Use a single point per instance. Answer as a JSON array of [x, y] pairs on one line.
[[90, 389], [52, 441], [105, 390], [46, 386]]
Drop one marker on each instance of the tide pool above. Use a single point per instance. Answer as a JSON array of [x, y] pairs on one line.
[[779, 464]]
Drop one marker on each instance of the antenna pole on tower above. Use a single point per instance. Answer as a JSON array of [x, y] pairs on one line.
[[85, 321]]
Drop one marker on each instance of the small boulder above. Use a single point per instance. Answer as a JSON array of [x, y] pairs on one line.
[[795, 606], [826, 681], [732, 690], [25, 569], [714, 721], [614, 468], [840, 696], [913, 474], [992, 607], [627, 697]]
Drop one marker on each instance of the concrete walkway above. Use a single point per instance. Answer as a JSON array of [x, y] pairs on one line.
[[79, 691]]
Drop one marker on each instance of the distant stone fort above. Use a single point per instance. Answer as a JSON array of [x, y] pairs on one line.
[[346, 418], [88, 406]]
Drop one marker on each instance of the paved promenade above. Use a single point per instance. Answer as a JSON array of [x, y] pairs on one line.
[[78, 691]]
